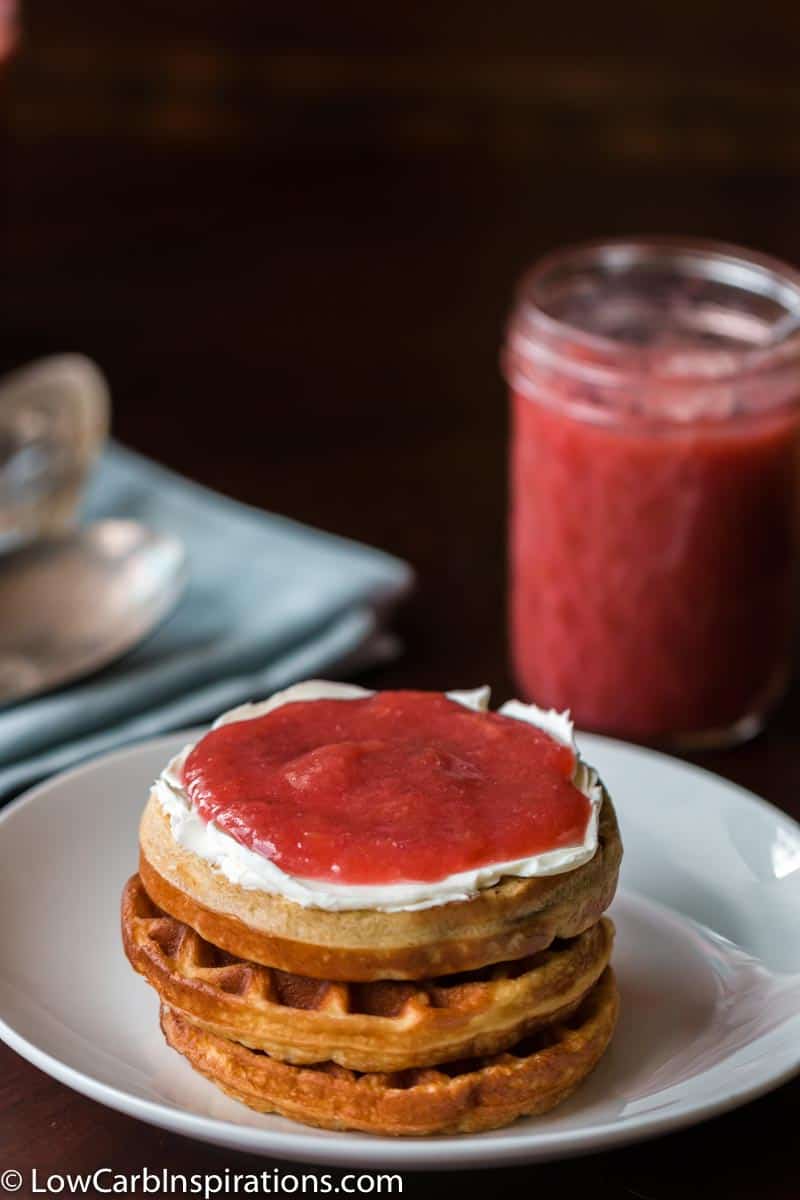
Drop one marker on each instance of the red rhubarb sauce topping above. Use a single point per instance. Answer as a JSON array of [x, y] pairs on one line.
[[393, 788]]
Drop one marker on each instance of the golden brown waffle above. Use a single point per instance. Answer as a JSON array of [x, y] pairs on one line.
[[513, 919], [378, 1026], [463, 1097]]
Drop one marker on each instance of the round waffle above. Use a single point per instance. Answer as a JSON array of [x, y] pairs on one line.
[[378, 1026], [461, 1097], [515, 918]]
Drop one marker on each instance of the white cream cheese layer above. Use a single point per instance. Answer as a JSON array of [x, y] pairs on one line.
[[253, 871]]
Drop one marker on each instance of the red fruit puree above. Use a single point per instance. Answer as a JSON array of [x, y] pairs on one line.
[[652, 576], [654, 488], [397, 787]]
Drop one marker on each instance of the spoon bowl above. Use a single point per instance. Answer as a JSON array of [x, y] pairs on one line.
[[73, 603]]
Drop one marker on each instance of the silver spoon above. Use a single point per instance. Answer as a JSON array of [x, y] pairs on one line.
[[74, 603]]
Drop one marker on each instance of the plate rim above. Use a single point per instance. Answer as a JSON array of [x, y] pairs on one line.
[[349, 1148]]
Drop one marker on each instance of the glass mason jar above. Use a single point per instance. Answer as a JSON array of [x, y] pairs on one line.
[[655, 479]]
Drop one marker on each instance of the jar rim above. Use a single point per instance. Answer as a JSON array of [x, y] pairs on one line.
[[614, 361]]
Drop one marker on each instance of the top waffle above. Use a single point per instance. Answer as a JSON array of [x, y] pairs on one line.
[[516, 918]]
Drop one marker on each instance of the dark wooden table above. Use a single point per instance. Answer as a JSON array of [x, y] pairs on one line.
[[289, 235]]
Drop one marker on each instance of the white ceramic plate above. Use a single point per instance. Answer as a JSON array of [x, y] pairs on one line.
[[709, 1019]]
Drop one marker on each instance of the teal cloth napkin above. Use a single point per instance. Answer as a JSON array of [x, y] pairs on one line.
[[269, 601]]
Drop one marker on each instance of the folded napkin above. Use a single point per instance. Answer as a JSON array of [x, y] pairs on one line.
[[269, 601]]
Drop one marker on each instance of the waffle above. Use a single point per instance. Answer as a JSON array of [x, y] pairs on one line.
[[378, 1026], [512, 920], [460, 1097]]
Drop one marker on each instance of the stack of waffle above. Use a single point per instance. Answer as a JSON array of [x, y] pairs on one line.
[[449, 1019]]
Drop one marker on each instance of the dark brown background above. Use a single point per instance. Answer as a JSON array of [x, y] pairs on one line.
[[289, 234]]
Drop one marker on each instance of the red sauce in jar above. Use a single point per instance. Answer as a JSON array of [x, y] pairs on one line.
[[652, 577], [393, 788], [655, 487]]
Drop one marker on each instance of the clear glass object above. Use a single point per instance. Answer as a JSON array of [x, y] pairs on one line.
[[655, 487], [54, 419]]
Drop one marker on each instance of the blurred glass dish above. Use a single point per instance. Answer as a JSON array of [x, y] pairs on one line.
[[54, 418]]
